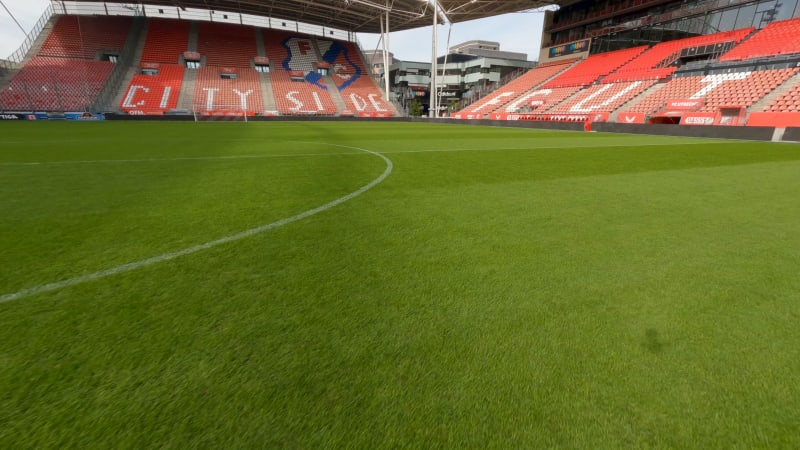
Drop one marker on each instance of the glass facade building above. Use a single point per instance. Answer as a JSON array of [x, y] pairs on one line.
[[618, 24]]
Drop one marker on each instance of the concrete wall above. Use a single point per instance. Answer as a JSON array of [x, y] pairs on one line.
[[713, 132], [719, 132], [792, 134]]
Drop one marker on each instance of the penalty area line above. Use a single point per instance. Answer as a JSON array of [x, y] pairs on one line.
[[28, 292]]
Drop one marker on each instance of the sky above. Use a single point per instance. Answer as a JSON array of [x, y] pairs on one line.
[[519, 32]]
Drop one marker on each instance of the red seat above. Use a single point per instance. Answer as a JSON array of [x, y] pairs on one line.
[[157, 94], [504, 98], [214, 93], [295, 97], [84, 36], [166, 41], [56, 84], [594, 67], [777, 38]]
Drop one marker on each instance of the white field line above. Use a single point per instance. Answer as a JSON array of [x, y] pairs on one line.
[[196, 248], [185, 158], [300, 155], [565, 147]]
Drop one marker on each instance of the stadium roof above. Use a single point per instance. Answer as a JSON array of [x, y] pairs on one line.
[[364, 15]]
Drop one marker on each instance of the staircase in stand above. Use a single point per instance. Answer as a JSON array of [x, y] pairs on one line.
[[266, 92], [186, 97], [647, 92], [128, 58], [338, 101], [779, 91], [133, 68], [193, 37]]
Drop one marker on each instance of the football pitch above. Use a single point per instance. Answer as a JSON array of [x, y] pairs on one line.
[[373, 285]]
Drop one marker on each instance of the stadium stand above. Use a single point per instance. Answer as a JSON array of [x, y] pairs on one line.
[[605, 97], [293, 52], [714, 91], [676, 89], [166, 41], [594, 67], [83, 37], [56, 84], [777, 38], [66, 74], [294, 57], [310, 75], [507, 96], [788, 102], [215, 94], [748, 90], [226, 45], [352, 79], [299, 97], [541, 100], [154, 94], [656, 62]]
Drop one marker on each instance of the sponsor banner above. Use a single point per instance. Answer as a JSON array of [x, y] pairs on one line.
[[78, 116], [271, 113], [565, 117], [84, 116], [191, 56], [261, 60], [296, 74], [685, 104], [227, 70], [631, 117], [139, 112], [546, 117], [468, 116], [323, 65], [569, 49], [773, 119], [374, 114], [513, 116], [698, 118], [671, 113], [598, 117], [150, 65], [346, 112], [225, 113], [728, 121]]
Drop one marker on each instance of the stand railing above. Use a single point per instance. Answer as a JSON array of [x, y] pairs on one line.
[[478, 93], [124, 62], [19, 55]]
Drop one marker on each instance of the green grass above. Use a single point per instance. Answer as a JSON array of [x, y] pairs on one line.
[[501, 288]]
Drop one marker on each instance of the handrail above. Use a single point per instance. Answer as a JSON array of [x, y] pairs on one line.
[[19, 55], [122, 66]]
